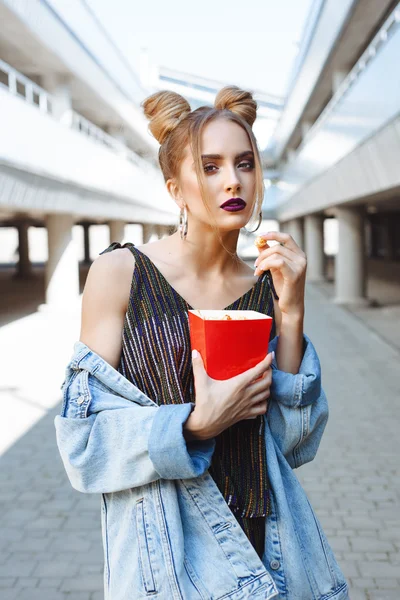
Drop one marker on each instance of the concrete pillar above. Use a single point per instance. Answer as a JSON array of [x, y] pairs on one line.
[[24, 263], [86, 242], [59, 87], [350, 265], [283, 226], [148, 229], [314, 247], [62, 269], [295, 228], [117, 231], [160, 231], [388, 240]]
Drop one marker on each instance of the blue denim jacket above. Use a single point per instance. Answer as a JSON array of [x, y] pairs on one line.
[[167, 530]]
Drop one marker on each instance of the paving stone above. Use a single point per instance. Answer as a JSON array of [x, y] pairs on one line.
[[353, 556], [50, 582], [357, 594], [69, 541], [371, 545], [377, 556], [353, 522], [27, 582], [7, 582], [91, 568], [10, 594], [339, 543], [80, 596], [89, 582], [393, 533], [349, 568], [56, 569], [387, 584], [5, 555], [383, 595], [362, 582], [30, 544], [94, 556], [46, 523], [40, 594], [378, 569], [17, 569]]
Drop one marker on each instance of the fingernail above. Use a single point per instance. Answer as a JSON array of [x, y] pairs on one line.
[[194, 354], [273, 355]]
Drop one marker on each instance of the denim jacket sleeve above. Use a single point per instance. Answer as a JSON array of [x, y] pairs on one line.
[[298, 409], [110, 443]]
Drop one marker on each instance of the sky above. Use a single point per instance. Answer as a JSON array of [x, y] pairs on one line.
[[252, 43]]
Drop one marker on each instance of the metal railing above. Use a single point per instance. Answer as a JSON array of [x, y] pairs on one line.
[[19, 85], [80, 123], [389, 27]]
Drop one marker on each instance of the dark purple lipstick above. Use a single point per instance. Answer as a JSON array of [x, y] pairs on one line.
[[233, 205]]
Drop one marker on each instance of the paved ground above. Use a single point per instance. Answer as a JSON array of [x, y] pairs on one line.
[[50, 540]]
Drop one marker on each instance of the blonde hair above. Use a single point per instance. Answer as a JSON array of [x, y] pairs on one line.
[[175, 125]]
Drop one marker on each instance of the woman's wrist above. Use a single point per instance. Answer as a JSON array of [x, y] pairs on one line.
[[192, 428], [289, 350], [293, 319]]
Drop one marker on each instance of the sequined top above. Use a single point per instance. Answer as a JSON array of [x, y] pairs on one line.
[[156, 357]]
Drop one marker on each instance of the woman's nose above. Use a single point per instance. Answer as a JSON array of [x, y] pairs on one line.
[[232, 183]]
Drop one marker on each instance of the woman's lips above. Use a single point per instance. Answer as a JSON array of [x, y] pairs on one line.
[[234, 208], [234, 205]]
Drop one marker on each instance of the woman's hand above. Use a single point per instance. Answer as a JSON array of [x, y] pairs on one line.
[[220, 404], [288, 264]]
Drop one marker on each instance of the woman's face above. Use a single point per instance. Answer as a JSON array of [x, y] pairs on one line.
[[229, 172]]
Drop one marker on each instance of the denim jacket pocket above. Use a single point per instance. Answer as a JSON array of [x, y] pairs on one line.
[[144, 542]]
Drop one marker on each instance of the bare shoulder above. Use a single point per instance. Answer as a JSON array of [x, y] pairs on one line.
[[114, 263], [104, 303], [110, 275]]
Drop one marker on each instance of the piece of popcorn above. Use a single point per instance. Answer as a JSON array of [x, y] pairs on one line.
[[260, 242]]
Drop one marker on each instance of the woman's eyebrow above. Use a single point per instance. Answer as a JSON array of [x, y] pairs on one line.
[[218, 156]]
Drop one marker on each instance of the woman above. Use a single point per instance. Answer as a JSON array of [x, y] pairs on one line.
[[138, 324]]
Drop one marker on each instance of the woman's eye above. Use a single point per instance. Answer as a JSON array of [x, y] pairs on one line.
[[247, 164]]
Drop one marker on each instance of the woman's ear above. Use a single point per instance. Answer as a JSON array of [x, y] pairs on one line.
[[174, 192]]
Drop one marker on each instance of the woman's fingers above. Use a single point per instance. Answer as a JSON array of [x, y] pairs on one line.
[[289, 253], [258, 409], [283, 238], [261, 397], [249, 376], [255, 387], [289, 268]]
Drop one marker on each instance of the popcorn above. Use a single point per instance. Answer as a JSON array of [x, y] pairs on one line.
[[229, 341], [260, 242]]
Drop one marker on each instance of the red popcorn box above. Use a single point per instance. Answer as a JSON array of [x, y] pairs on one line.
[[229, 341]]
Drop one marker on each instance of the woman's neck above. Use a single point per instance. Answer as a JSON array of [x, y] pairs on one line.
[[203, 253]]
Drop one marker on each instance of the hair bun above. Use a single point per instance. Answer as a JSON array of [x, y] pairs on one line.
[[165, 110], [238, 101]]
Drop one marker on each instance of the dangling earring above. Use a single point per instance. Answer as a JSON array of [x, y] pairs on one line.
[[259, 223], [183, 223]]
